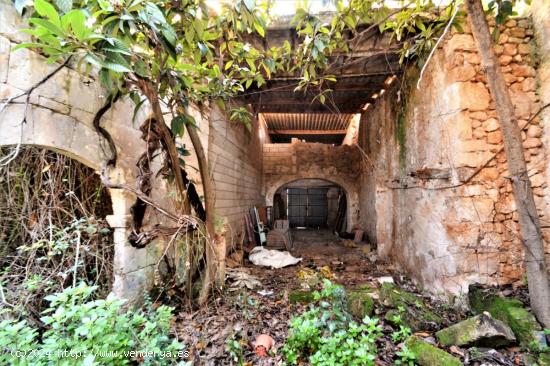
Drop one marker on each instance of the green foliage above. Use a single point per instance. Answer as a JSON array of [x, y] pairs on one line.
[[327, 335], [418, 27], [95, 332], [401, 334], [406, 357], [235, 349]]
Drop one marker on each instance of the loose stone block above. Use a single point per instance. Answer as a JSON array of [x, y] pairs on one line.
[[482, 330], [428, 355]]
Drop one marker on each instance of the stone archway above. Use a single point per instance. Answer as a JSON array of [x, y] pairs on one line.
[[352, 194], [59, 117]]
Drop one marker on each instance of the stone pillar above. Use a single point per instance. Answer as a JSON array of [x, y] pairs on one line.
[[132, 275]]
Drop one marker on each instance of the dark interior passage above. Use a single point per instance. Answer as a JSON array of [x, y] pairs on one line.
[[311, 203]]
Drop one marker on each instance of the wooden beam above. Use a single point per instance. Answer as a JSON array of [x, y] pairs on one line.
[[306, 132]]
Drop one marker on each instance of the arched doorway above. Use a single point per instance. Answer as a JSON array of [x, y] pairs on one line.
[[53, 227], [311, 203]]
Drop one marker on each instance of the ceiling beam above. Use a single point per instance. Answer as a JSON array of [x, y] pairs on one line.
[[306, 132]]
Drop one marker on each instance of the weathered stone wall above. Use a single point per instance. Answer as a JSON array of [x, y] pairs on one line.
[[284, 163], [438, 200], [59, 117]]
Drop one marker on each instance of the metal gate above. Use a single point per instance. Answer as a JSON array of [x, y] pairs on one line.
[[307, 207]]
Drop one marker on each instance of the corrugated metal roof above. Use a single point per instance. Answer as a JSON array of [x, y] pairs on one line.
[[307, 121]]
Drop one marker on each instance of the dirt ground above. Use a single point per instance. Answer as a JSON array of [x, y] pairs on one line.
[[243, 314]]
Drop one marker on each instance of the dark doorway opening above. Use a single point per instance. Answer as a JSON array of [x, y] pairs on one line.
[[311, 203]]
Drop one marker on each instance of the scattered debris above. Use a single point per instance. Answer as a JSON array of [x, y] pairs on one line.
[[239, 279], [349, 244], [385, 279], [238, 317], [265, 292], [272, 258], [263, 344]]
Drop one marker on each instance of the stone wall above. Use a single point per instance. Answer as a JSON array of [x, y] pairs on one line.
[[284, 163], [437, 199], [59, 117]]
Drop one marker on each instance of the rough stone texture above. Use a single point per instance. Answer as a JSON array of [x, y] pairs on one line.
[[481, 330], [284, 163], [436, 198], [409, 307], [360, 301], [510, 311]]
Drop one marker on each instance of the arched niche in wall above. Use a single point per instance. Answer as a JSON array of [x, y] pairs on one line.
[[78, 140], [349, 197]]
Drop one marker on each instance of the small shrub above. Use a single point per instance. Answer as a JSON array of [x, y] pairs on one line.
[[406, 357], [97, 332], [327, 335]]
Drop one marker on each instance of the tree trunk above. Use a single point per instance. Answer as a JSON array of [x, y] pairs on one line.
[[151, 94], [535, 264], [215, 251]]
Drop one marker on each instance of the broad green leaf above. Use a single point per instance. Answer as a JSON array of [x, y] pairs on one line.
[[259, 28], [53, 28], [116, 67], [28, 45], [47, 10], [77, 20], [177, 125]]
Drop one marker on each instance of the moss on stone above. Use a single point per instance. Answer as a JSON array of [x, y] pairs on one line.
[[510, 311], [455, 335], [428, 355], [412, 310], [360, 303], [304, 297], [481, 330]]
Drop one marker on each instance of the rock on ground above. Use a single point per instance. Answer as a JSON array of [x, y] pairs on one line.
[[428, 355], [482, 330]]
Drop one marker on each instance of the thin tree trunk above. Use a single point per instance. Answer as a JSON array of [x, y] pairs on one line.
[[152, 96], [215, 251], [535, 264]]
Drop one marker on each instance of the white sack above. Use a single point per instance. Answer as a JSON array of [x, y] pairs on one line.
[[272, 258]]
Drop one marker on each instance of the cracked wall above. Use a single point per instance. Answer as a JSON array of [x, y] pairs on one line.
[[438, 187]]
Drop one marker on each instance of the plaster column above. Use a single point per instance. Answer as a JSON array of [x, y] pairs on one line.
[[132, 275]]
